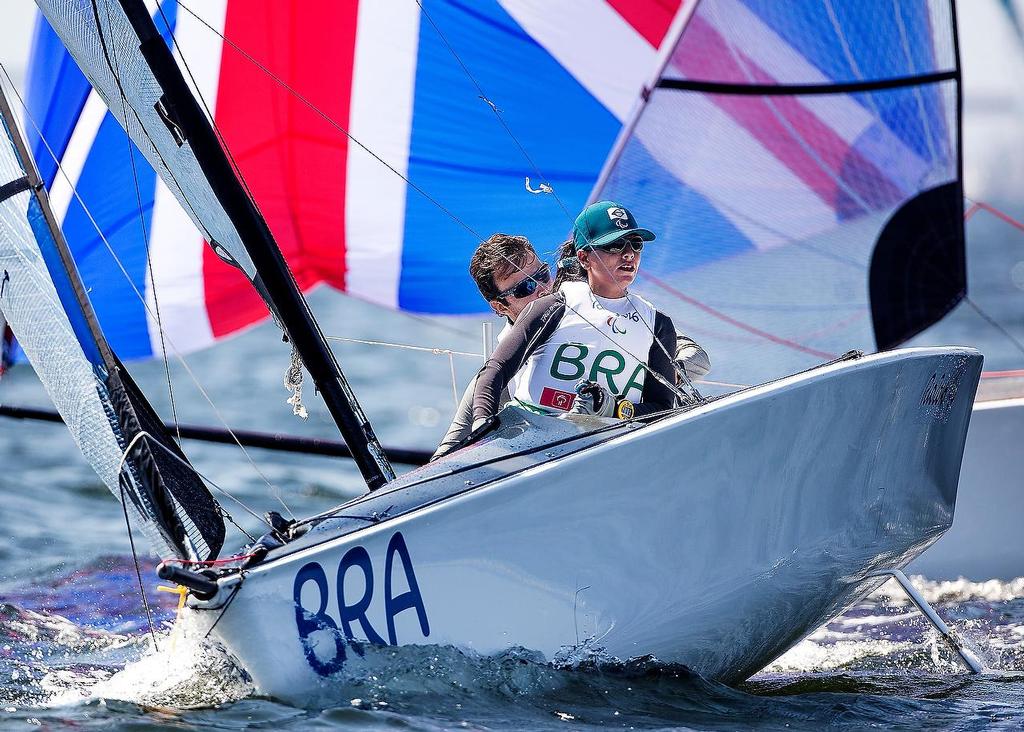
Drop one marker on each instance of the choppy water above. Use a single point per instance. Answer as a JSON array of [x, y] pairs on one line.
[[878, 666]]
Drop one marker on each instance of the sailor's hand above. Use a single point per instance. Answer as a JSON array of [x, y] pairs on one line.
[[592, 398], [478, 423]]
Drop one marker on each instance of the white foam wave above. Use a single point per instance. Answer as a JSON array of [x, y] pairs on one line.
[[187, 671], [959, 590], [809, 655]]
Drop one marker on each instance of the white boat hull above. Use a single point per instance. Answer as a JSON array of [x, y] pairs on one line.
[[716, 538], [985, 541]]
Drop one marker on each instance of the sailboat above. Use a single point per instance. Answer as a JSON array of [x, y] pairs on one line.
[[715, 535], [439, 120]]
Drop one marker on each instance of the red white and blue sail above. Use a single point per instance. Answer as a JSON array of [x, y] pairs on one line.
[[368, 136], [800, 163]]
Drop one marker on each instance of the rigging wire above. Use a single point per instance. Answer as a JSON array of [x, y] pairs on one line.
[[982, 206], [234, 593], [149, 258], [455, 390], [338, 126], [497, 113], [995, 324], [135, 559], [181, 360], [435, 351]]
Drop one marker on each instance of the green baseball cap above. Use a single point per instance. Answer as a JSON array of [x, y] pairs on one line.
[[603, 222]]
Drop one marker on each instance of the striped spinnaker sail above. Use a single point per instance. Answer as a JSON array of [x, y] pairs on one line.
[[284, 83], [800, 163], [125, 56]]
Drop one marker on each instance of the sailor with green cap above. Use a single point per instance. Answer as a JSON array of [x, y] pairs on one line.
[[593, 347], [601, 223]]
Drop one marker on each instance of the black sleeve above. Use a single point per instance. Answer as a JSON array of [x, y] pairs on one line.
[[656, 396], [462, 422], [533, 326]]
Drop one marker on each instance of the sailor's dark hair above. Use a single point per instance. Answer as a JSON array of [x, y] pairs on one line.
[[568, 268], [501, 254]]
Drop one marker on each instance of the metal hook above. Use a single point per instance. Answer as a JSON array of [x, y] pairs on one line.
[[543, 188], [490, 104]]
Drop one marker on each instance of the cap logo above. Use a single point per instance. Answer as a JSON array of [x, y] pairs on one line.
[[619, 217]]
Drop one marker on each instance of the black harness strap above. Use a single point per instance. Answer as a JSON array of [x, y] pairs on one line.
[[549, 324], [15, 187]]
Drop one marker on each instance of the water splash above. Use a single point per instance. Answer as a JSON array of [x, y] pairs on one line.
[[187, 671], [880, 654], [954, 591]]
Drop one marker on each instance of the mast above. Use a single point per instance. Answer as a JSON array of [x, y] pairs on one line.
[[668, 45], [33, 182], [273, 279]]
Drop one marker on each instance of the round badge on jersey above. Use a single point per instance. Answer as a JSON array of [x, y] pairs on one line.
[[625, 409]]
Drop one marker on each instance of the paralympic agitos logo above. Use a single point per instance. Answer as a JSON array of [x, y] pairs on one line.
[[616, 326]]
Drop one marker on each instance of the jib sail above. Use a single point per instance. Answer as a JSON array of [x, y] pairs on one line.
[[126, 59], [46, 305], [800, 162]]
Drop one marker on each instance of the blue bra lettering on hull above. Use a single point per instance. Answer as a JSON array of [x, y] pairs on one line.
[[323, 643]]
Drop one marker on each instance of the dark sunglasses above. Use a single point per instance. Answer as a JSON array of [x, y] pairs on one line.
[[615, 247], [527, 286]]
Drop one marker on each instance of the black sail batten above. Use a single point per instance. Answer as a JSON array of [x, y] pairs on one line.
[[169, 497], [273, 279], [14, 187], [782, 90]]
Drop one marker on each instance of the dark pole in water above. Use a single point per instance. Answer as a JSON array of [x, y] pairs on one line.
[[263, 440]]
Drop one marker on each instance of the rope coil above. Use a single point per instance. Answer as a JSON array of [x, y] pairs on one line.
[[293, 383]]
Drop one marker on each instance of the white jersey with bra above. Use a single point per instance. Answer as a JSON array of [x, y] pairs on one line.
[[598, 339]]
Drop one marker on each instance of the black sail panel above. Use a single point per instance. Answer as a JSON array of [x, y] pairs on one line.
[[186, 509], [918, 269]]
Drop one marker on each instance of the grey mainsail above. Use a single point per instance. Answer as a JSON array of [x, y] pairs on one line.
[[114, 426]]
